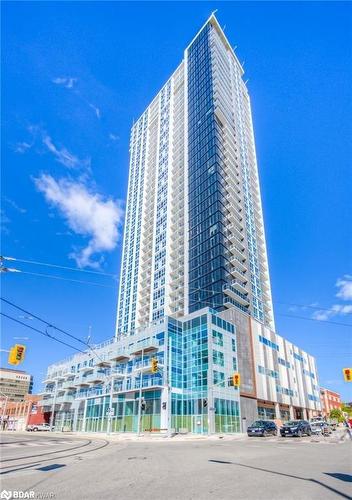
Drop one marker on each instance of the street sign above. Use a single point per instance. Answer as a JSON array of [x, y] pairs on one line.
[[347, 374]]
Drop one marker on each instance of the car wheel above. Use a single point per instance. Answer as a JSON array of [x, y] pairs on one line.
[[35, 429], [309, 433]]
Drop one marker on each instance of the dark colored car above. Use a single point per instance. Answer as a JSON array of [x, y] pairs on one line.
[[296, 428], [262, 428]]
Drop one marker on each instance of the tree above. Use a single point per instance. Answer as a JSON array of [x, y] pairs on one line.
[[346, 409], [336, 413]]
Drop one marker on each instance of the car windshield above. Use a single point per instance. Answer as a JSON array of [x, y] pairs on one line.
[[292, 423], [258, 423]]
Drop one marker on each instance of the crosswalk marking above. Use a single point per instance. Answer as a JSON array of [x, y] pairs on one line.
[[30, 444]]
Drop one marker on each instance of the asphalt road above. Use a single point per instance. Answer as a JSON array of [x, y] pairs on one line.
[[66, 467]]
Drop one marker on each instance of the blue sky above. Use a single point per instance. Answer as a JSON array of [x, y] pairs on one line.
[[75, 75]]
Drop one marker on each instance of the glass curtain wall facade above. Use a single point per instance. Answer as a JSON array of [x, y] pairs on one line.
[[190, 391]]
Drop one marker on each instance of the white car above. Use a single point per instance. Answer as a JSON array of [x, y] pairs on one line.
[[38, 427]]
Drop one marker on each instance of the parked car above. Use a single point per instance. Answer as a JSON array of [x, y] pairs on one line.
[[262, 428], [38, 427], [316, 427], [321, 427], [296, 428]]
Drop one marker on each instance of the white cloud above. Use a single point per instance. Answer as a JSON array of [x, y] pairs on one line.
[[114, 137], [335, 310], [22, 147], [96, 110], [67, 82], [345, 287], [345, 293], [14, 205], [87, 214], [64, 156], [4, 221]]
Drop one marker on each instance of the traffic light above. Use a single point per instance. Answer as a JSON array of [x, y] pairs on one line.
[[163, 405], [143, 405], [236, 379], [154, 365], [12, 357], [16, 355], [347, 374]]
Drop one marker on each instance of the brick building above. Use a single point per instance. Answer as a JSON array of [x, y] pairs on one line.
[[19, 414], [329, 401]]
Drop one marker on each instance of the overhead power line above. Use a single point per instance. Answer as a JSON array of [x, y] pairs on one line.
[[275, 302], [86, 344], [42, 333], [279, 314], [307, 306], [47, 264], [315, 319], [67, 279]]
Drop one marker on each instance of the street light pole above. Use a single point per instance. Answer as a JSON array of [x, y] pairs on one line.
[[4, 408], [110, 404], [169, 397], [140, 396], [53, 407]]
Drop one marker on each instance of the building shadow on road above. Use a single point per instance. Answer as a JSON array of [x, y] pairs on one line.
[[338, 475], [311, 480]]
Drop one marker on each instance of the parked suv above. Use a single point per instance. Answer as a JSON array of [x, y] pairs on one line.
[[38, 427], [296, 428], [262, 428]]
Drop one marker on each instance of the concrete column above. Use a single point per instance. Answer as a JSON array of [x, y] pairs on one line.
[[277, 411], [292, 415], [164, 411], [84, 416], [305, 414], [103, 416], [75, 416]]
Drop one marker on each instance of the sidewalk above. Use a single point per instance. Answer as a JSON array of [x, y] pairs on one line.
[[129, 436]]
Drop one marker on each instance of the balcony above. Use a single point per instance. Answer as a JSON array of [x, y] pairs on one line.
[[96, 377], [69, 384], [103, 364], [239, 286], [67, 398], [236, 295], [120, 356], [237, 273], [145, 347], [236, 251]]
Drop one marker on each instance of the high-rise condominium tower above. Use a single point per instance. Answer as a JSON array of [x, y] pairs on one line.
[[194, 232]]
